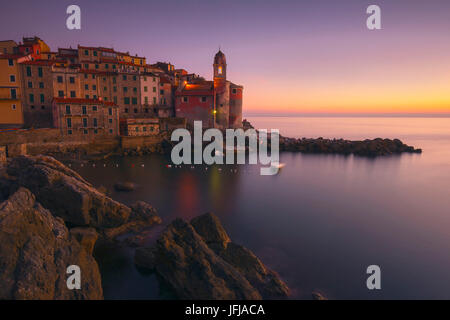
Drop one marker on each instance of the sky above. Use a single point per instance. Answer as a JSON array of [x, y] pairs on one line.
[[291, 56]]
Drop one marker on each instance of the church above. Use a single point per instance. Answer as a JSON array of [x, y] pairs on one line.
[[217, 103]]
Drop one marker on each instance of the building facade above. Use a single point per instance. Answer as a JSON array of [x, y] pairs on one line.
[[11, 109], [139, 127], [85, 118]]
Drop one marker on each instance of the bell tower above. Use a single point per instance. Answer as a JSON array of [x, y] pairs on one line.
[[220, 66]]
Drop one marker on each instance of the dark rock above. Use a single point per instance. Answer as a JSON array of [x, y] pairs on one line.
[[197, 260], [318, 296], [35, 250], [125, 186], [87, 237], [66, 194]]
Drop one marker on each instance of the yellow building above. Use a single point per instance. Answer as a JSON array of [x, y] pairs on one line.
[[11, 113]]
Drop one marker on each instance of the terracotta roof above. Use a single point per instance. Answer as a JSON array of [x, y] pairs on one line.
[[83, 101]]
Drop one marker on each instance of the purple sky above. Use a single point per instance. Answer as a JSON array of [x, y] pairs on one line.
[[297, 56]]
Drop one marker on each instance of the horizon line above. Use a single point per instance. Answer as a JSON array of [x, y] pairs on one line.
[[350, 114]]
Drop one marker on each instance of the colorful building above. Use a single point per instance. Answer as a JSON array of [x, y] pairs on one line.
[[11, 112], [216, 103]]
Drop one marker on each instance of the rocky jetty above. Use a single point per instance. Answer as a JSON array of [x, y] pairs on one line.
[[51, 218], [197, 260], [368, 147]]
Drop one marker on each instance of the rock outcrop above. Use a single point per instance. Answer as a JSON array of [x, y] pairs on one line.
[[65, 193], [368, 147], [199, 261], [35, 250]]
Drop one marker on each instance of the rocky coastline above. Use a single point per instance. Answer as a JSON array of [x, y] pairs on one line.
[[51, 218]]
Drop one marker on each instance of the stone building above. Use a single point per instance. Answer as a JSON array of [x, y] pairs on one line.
[[85, 118], [216, 103], [139, 127]]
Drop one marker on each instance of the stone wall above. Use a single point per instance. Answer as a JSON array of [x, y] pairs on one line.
[[2, 155], [137, 142]]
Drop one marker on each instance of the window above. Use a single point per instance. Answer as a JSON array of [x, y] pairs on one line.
[[111, 131], [12, 78], [126, 110], [68, 109], [115, 99], [86, 66], [95, 122], [69, 131], [95, 131], [30, 84], [105, 89], [83, 110], [85, 131], [145, 100], [145, 79], [60, 79], [134, 100], [220, 70], [137, 129], [95, 53], [72, 94], [69, 122], [234, 91], [40, 72], [94, 87], [154, 79], [94, 108], [10, 62], [42, 98], [145, 89], [86, 52], [125, 89], [41, 85], [115, 89], [110, 120], [93, 76], [144, 129], [134, 78], [126, 100], [114, 66], [106, 66], [87, 96], [31, 98], [72, 79], [135, 110], [32, 107], [110, 111], [134, 89], [85, 76], [203, 99], [96, 66], [85, 122], [42, 107], [161, 92], [13, 107], [95, 96], [28, 71], [146, 110], [60, 93], [151, 129], [185, 99], [154, 100], [86, 87], [114, 79], [124, 77]]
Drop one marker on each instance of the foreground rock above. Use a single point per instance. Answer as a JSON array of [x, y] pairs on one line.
[[35, 250], [65, 193], [199, 261]]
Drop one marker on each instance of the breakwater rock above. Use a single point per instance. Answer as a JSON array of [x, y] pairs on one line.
[[368, 147], [197, 260]]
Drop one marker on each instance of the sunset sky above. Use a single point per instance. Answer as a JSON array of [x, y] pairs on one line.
[[312, 56]]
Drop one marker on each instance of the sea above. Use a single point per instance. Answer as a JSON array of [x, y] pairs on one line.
[[320, 222]]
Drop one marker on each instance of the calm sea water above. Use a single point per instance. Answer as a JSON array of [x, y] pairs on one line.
[[321, 221]]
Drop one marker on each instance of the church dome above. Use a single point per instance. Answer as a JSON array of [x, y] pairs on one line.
[[219, 58]]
